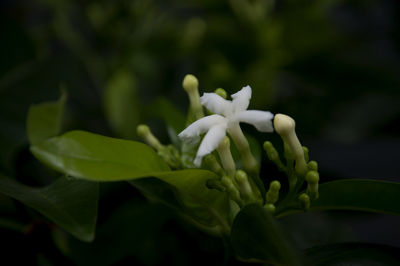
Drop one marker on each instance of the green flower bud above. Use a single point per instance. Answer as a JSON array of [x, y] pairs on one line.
[[244, 186], [273, 192], [312, 177], [142, 130], [190, 83], [305, 201], [272, 153], [191, 86], [275, 186], [312, 165], [233, 192], [221, 92], [144, 133]]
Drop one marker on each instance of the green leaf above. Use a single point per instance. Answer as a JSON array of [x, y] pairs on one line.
[[189, 195], [121, 104], [256, 236], [360, 195], [44, 120], [71, 204], [98, 158], [353, 254]]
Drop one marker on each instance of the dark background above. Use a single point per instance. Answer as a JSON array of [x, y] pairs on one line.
[[332, 65]]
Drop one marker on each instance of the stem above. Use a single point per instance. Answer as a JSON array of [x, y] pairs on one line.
[[195, 104], [250, 164], [225, 155]]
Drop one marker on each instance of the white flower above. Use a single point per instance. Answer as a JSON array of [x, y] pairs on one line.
[[227, 115]]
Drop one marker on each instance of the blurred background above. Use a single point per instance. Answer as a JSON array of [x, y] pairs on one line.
[[333, 65]]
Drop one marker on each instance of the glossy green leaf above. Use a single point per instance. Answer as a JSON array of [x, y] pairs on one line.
[[44, 120], [121, 104], [256, 236], [94, 157], [353, 254], [98, 158], [71, 204], [359, 194]]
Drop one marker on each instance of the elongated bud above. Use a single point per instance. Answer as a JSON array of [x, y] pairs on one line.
[[221, 92], [233, 192], [273, 192], [285, 127], [244, 186], [305, 201], [312, 179], [143, 131], [270, 207], [273, 155], [225, 155], [191, 86], [211, 163]]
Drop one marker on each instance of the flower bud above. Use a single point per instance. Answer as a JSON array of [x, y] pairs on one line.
[[144, 133], [190, 83], [285, 127], [273, 155], [312, 165], [312, 179], [305, 201], [221, 92], [142, 130], [244, 186], [191, 86], [273, 192]]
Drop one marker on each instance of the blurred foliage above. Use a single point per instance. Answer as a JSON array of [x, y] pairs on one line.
[[331, 64]]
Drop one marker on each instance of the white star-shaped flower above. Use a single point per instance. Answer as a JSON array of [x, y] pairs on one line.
[[227, 114]]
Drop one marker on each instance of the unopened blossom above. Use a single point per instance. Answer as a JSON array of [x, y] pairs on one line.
[[227, 116]]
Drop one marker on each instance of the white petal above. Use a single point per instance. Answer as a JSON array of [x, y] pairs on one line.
[[210, 142], [241, 99], [261, 120], [200, 126], [216, 103]]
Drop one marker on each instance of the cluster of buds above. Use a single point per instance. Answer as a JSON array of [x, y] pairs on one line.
[[213, 152]]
